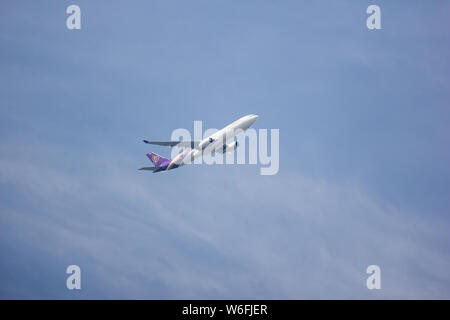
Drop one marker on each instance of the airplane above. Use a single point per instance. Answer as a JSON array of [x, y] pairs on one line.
[[216, 142]]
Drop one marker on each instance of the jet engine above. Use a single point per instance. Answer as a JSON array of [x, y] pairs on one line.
[[229, 147], [206, 143]]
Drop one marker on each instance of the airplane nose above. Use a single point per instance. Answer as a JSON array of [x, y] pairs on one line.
[[248, 121]]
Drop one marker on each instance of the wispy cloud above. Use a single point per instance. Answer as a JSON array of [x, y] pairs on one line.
[[364, 176], [237, 235]]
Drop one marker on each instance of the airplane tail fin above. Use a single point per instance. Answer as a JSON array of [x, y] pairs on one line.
[[157, 160]]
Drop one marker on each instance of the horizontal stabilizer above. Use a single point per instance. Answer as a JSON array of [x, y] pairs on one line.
[[148, 168], [190, 144]]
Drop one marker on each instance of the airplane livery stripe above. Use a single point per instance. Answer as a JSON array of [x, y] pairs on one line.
[[174, 161]]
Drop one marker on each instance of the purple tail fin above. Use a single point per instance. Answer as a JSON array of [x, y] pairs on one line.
[[157, 160]]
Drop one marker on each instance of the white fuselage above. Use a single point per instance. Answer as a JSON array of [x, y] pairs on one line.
[[219, 139]]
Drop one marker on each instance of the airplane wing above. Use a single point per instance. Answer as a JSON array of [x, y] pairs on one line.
[[191, 144], [148, 168]]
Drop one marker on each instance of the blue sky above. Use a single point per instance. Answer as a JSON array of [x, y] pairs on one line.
[[364, 160]]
